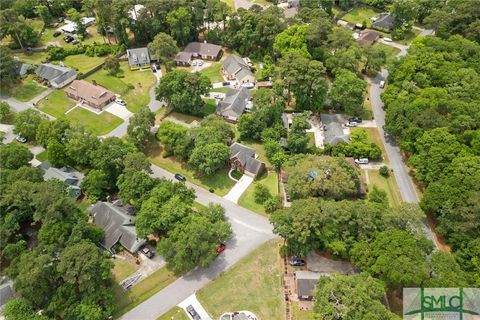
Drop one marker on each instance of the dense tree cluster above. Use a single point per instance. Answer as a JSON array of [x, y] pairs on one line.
[[359, 147], [432, 108], [321, 176]]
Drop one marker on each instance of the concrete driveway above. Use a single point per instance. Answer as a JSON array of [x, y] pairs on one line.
[[193, 301], [118, 110], [239, 188], [8, 130]]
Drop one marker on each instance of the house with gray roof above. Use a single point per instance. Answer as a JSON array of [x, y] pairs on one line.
[[243, 159], [138, 58], [67, 175], [198, 50], [118, 224], [333, 129], [306, 282], [384, 22], [236, 102], [57, 76], [235, 68]]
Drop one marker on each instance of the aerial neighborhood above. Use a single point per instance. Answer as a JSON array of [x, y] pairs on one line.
[[239, 159]]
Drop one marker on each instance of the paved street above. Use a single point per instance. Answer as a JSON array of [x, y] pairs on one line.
[[249, 232]]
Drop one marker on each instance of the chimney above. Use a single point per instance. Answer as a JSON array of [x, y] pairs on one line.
[[94, 82]]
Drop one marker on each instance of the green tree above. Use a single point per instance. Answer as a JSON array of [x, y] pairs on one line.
[[347, 93], [446, 272], [112, 65], [74, 16], [408, 217], [182, 90], [44, 14], [52, 130], [292, 39], [27, 123], [109, 157], [164, 47], [7, 65], [95, 185], [350, 297], [20, 309], [14, 156], [193, 243], [207, 159], [5, 112], [139, 127], [395, 257], [80, 146], [181, 26], [134, 187], [375, 59], [170, 135], [261, 193], [136, 161]]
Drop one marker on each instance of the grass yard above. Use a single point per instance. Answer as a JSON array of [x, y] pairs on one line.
[[391, 52], [83, 63], [210, 106], [253, 284], [24, 90], [42, 156], [175, 314], [127, 300], [361, 14], [99, 124], [186, 118], [133, 86], [220, 181], [374, 136], [409, 36], [56, 104], [367, 113], [122, 269], [230, 3], [221, 90], [311, 139], [247, 199], [213, 72], [298, 314], [34, 58], [389, 185]]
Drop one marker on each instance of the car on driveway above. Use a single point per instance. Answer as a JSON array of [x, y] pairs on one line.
[[76, 41], [120, 102], [297, 263], [193, 313], [180, 177], [382, 84], [248, 85], [355, 119], [56, 33], [387, 40], [20, 139], [68, 39], [351, 124], [147, 252], [361, 161], [226, 83]]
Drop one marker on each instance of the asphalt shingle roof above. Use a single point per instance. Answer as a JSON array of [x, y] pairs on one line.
[[54, 73], [333, 130], [234, 103]]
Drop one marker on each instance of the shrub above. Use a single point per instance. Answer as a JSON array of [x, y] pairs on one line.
[[273, 204], [261, 194], [384, 171]]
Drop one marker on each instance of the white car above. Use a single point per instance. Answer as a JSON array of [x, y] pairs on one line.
[[248, 85], [382, 84], [20, 139], [120, 102], [200, 63], [387, 40], [194, 63], [361, 161], [351, 124]]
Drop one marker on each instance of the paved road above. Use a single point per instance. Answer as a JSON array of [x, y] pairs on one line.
[[249, 232]]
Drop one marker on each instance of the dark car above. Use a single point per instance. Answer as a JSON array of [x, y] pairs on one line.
[[220, 248], [76, 41], [226, 83], [68, 39], [355, 119], [56, 33], [153, 68], [180, 177], [193, 313], [147, 252], [297, 263]]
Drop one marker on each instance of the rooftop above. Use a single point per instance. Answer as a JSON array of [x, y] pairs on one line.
[[235, 102]]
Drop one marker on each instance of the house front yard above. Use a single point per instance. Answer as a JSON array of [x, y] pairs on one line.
[[25, 90], [389, 185], [82, 63], [213, 72], [33, 58], [247, 199], [56, 104], [361, 14], [99, 124], [390, 51], [219, 181], [253, 284], [132, 86], [174, 314]]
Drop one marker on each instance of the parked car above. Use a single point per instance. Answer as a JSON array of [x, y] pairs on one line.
[[21, 139], [76, 41], [180, 177], [382, 84], [193, 313], [194, 63], [355, 119], [147, 252], [361, 161], [248, 85], [351, 124], [226, 83], [56, 33], [153, 68], [200, 63], [68, 39], [216, 96], [221, 247], [297, 263], [120, 102], [387, 40]]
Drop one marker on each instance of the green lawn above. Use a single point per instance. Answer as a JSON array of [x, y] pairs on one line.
[[219, 181], [391, 52], [34, 58], [361, 14], [230, 3], [133, 86], [127, 300], [186, 118], [389, 185], [210, 106], [311, 139], [82, 63], [409, 36], [56, 104], [221, 90], [24, 90], [253, 284], [298, 314], [42, 156], [175, 314], [99, 124], [122, 269], [247, 199], [213, 72]]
